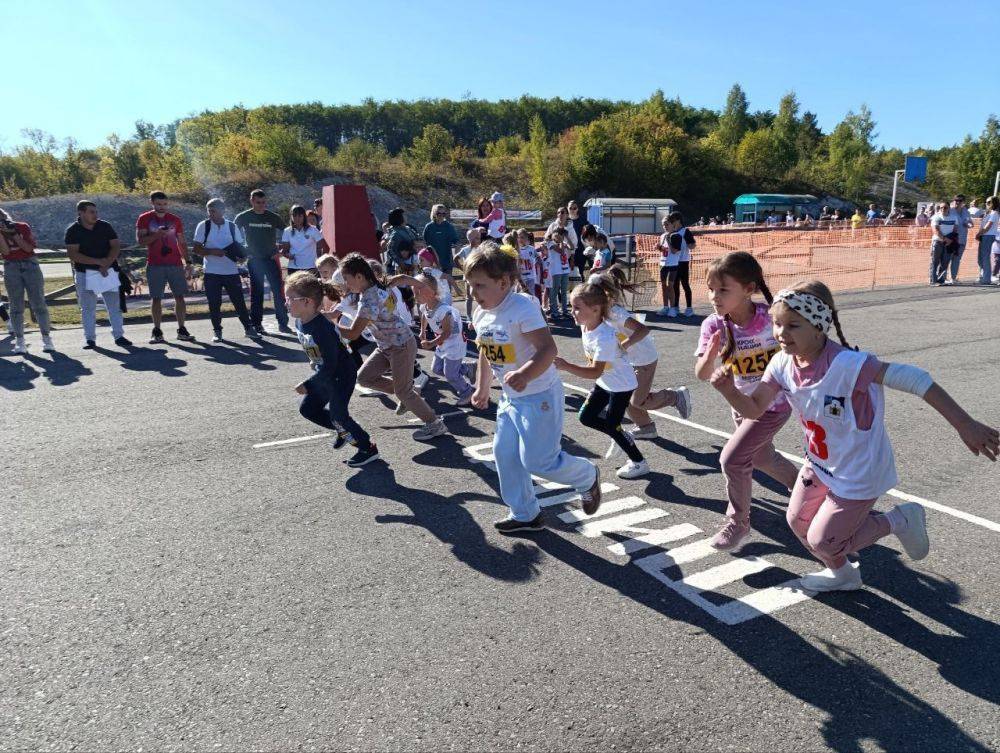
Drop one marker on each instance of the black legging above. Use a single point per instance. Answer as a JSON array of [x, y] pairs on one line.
[[580, 262], [683, 278], [611, 424]]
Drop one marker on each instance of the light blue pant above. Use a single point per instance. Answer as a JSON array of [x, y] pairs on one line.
[[985, 244], [25, 276], [559, 294], [956, 258], [528, 441], [88, 308]]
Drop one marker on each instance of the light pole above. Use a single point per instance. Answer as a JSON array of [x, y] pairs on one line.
[[996, 184], [895, 185]]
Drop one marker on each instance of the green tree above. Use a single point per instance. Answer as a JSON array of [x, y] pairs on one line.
[[432, 146], [734, 121], [975, 163]]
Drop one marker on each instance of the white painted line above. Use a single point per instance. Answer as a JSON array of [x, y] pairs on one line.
[[663, 536], [620, 522], [294, 440], [615, 505], [678, 556], [764, 601], [714, 577], [560, 499], [441, 415], [905, 496]]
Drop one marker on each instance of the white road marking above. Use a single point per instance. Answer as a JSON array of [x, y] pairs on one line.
[[660, 536], [607, 508], [758, 603], [293, 440], [715, 577], [440, 415], [594, 528], [561, 499], [905, 496]]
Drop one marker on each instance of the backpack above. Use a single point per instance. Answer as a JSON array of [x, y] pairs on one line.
[[234, 250]]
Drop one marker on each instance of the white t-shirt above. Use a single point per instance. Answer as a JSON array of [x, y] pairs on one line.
[[527, 257], [641, 353], [668, 256], [443, 288], [601, 344], [348, 311], [453, 348], [500, 337], [218, 237], [994, 217], [302, 246], [946, 224]]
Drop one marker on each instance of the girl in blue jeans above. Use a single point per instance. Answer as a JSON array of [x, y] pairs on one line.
[[327, 392]]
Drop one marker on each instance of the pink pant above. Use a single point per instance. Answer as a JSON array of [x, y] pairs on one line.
[[750, 447], [831, 527]]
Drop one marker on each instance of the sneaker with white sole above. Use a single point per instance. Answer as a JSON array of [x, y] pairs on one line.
[[590, 500], [683, 405], [663, 311], [633, 469], [363, 457], [845, 578], [689, 311], [47, 344], [465, 399], [421, 381], [19, 347], [644, 432], [217, 336], [508, 525], [913, 536], [672, 312], [429, 431], [729, 536]]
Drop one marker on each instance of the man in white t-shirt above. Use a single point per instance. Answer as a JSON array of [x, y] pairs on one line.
[[220, 242]]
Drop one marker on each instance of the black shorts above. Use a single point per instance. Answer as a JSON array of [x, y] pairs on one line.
[[665, 273]]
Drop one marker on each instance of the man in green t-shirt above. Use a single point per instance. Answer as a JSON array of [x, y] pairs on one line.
[[262, 230]]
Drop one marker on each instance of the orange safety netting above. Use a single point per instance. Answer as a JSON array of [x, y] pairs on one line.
[[845, 259]]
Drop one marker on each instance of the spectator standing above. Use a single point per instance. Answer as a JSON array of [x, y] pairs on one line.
[[857, 219], [318, 209], [962, 224], [986, 236], [975, 211], [22, 274], [496, 220], [923, 218], [578, 221], [220, 242], [943, 240], [562, 222], [400, 240], [442, 236], [261, 227], [93, 247], [871, 216], [162, 235], [301, 243]]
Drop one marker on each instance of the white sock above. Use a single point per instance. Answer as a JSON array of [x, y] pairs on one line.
[[897, 522]]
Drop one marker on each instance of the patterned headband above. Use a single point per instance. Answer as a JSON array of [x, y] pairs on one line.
[[817, 313]]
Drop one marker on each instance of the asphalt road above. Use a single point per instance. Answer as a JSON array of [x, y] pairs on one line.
[[167, 586]]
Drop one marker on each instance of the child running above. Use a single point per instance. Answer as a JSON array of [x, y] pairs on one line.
[[396, 347], [740, 334], [448, 343], [327, 393], [640, 350], [516, 346], [837, 394], [607, 364]]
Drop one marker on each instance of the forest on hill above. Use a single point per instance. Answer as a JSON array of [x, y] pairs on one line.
[[539, 151]]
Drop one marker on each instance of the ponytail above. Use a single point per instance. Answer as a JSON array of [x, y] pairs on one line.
[[840, 332]]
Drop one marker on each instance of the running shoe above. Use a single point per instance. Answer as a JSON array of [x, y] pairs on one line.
[[429, 431], [183, 334], [157, 336], [508, 525], [644, 432], [217, 336], [47, 345], [19, 347], [844, 578], [123, 342], [683, 405], [363, 457], [729, 536], [421, 381], [633, 469], [913, 536], [590, 500]]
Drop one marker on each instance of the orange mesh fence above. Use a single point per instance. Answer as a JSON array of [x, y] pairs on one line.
[[845, 259]]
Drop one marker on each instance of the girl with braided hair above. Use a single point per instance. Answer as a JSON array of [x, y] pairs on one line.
[[837, 395]]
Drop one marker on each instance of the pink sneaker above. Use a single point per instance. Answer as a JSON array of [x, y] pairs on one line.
[[730, 535]]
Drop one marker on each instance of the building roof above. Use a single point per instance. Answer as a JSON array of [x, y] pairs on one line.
[[775, 198], [616, 202]]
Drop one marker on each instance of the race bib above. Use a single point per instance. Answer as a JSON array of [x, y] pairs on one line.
[[752, 363], [498, 354]]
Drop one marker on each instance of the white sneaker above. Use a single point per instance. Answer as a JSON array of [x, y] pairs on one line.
[[683, 405], [431, 430], [914, 536], [949, 282], [47, 344], [421, 381], [633, 470], [613, 451], [845, 578], [464, 400], [217, 336], [672, 312], [689, 311], [644, 432], [19, 347], [365, 391]]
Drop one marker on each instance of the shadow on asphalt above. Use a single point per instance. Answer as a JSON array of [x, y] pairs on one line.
[[447, 520], [18, 373], [141, 358], [257, 355]]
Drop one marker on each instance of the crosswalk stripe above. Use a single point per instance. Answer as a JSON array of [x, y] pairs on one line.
[[714, 577], [759, 603], [615, 505], [598, 527], [560, 499], [663, 536]]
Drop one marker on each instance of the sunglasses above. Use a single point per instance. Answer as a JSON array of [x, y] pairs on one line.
[[289, 299]]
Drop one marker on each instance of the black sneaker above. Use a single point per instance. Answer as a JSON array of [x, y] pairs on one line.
[[341, 439], [509, 525], [259, 329], [183, 334], [123, 342], [157, 336], [362, 457], [89, 345]]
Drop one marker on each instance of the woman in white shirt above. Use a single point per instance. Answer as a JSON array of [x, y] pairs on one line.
[[301, 243], [986, 235]]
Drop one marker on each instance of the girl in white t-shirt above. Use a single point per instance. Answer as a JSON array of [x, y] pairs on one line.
[[516, 346], [301, 243], [448, 342], [607, 364], [837, 395], [528, 257]]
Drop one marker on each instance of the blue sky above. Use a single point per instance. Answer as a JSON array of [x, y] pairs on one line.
[[87, 68]]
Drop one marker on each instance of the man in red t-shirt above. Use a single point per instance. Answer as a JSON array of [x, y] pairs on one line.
[[162, 233], [22, 274]]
